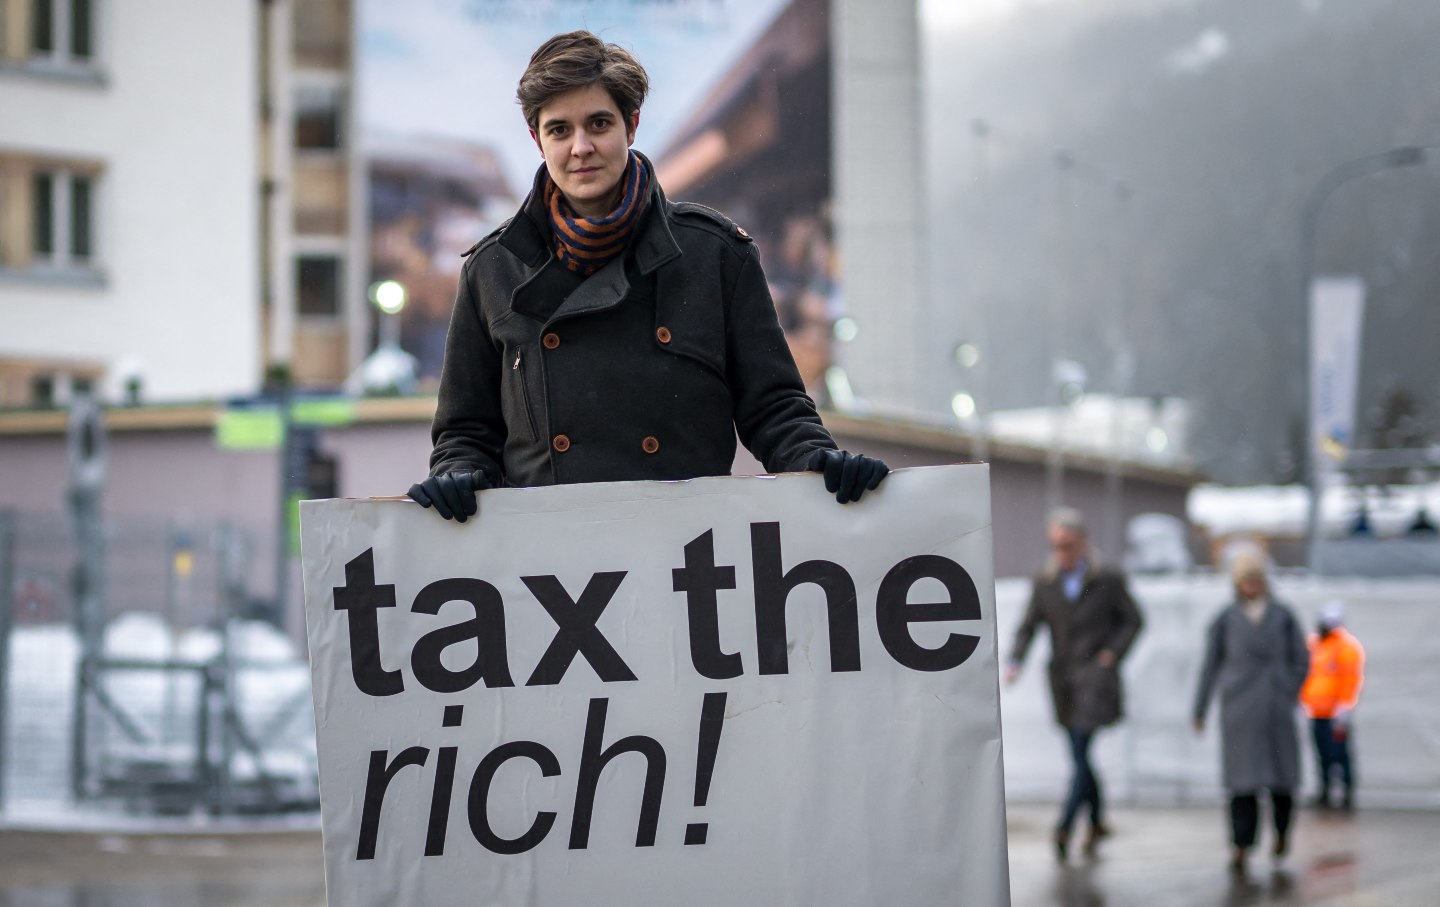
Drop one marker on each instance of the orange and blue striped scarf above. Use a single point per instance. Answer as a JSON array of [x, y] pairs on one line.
[[584, 245]]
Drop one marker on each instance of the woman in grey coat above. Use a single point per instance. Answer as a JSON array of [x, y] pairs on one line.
[[1255, 656]]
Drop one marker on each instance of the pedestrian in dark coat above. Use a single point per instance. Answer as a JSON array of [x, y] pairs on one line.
[[606, 333], [1255, 656], [1092, 621]]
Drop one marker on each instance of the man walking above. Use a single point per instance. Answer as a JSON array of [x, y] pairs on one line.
[[1337, 671], [1092, 621]]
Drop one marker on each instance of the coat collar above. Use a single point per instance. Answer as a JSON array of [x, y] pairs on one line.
[[527, 236], [1092, 568]]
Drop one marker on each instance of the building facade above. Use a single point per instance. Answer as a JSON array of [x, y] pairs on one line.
[[128, 231], [180, 199], [316, 324]]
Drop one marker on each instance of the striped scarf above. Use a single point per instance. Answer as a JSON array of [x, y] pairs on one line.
[[584, 245]]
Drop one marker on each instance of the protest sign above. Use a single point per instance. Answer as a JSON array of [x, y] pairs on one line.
[[726, 691]]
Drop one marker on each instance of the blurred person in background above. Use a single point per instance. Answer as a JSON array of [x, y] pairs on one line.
[[1337, 671], [1092, 621], [1255, 657], [605, 333]]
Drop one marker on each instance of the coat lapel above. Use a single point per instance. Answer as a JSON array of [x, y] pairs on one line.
[[552, 292], [600, 291], [545, 290]]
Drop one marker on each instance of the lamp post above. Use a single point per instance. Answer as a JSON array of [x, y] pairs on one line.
[[1394, 159], [977, 353], [1062, 296], [1123, 372]]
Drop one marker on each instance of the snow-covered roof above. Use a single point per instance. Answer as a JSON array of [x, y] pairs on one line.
[[1281, 510]]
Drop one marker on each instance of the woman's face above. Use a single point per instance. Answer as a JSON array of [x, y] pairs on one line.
[[1250, 587], [586, 144]]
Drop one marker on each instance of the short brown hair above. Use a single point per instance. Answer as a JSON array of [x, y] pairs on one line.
[[574, 60]]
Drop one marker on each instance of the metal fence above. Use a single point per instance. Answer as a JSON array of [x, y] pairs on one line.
[[136, 674]]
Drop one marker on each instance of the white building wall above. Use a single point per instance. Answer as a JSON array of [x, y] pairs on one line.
[[175, 127]]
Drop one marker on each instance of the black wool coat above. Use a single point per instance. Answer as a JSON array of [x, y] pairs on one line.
[[1086, 695], [647, 369]]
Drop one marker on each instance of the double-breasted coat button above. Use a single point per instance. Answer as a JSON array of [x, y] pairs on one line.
[[561, 443], [662, 334], [650, 444], [550, 340]]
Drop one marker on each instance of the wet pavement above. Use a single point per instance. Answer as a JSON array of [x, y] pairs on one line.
[[1179, 858], [1157, 858], [178, 868]]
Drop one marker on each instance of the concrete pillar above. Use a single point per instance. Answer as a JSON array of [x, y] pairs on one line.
[[880, 211]]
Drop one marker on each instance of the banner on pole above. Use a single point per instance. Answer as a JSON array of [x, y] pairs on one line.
[[726, 691], [1337, 305]]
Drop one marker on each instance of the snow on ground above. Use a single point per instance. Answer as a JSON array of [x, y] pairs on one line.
[[272, 700]]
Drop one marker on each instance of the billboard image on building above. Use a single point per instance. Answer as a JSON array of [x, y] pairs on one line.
[[738, 119]]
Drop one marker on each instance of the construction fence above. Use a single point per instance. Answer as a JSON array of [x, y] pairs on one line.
[[137, 675]]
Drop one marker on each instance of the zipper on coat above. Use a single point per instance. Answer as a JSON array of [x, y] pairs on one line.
[[525, 396]]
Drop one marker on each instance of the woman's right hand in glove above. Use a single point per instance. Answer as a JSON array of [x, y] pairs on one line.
[[452, 494]]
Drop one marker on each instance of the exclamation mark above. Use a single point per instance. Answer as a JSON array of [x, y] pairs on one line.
[[712, 721]]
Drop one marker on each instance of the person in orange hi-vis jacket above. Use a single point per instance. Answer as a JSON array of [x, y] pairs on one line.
[[1337, 671]]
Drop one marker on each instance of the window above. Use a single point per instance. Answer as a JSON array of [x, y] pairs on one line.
[[322, 33], [318, 285], [42, 220], [317, 118], [81, 23], [80, 205], [47, 216], [42, 27], [61, 223], [42, 391], [61, 31]]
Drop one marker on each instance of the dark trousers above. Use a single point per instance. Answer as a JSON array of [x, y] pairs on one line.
[[1331, 754], [1245, 816], [1084, 784]]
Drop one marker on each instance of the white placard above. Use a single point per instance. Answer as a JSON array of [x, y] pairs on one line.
[[727, 691]]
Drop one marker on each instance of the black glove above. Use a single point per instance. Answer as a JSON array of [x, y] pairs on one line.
[[452, 495], [848, 475]]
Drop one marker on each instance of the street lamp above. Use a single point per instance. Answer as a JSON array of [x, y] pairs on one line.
[[965, 403], [982, 291], [389, 297], [389, 369], [1394, 159]]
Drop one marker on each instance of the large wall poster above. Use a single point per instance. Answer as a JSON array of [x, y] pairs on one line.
[[738, 119]]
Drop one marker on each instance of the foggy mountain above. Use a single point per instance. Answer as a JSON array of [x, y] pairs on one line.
[[1219, 117]]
